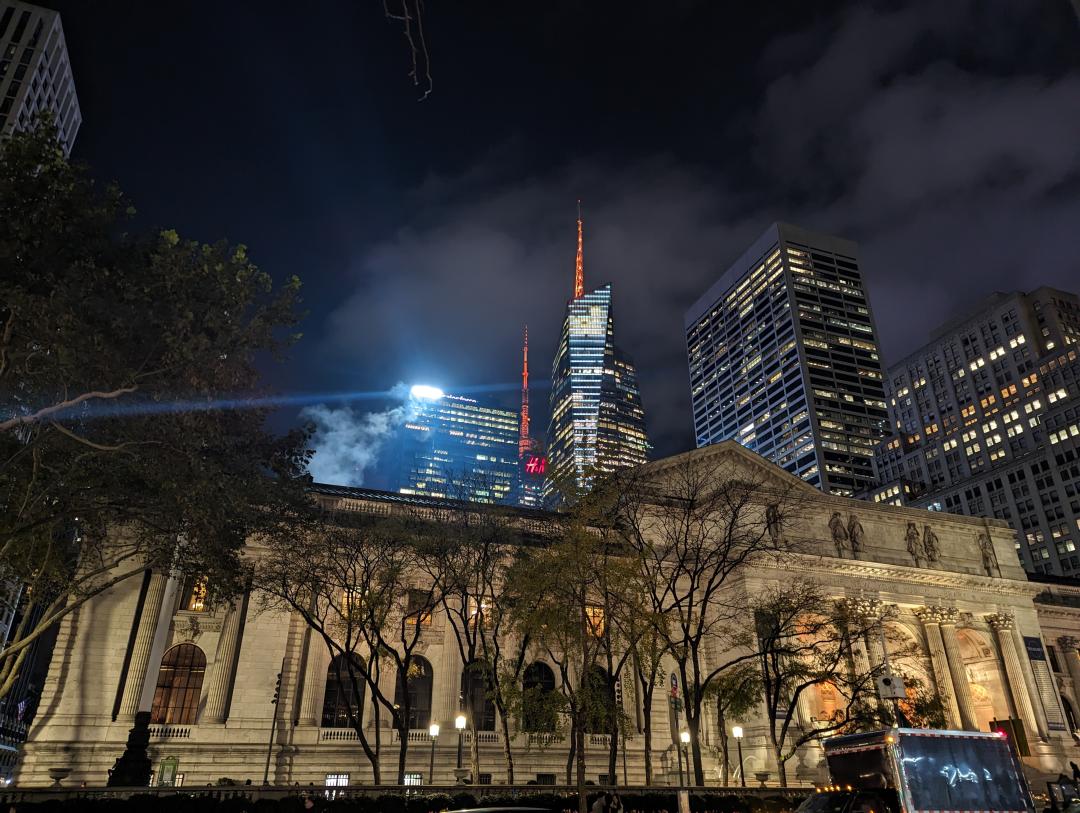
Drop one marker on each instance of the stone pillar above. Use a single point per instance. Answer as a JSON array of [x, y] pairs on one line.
[[1003, 625], [1070, 652], [1032, 686], [931, 618], [144, 642], [222, 678], [446, 700], [957, 669], [318, 661]]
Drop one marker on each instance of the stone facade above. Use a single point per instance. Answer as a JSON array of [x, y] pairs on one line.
[[977, 624]]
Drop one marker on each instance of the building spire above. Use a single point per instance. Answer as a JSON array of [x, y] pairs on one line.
[[579, 265], [524, 442]]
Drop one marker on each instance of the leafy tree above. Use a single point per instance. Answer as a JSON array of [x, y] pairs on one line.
[[734, 693], [803, 641], [117, 351]]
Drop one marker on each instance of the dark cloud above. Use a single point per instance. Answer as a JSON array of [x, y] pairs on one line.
[[888, 126]]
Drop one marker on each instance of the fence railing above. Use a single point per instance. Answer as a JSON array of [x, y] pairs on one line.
[[170, 732], [12, 795]]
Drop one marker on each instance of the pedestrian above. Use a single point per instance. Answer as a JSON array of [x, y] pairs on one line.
[[601, 803], [615, 804]]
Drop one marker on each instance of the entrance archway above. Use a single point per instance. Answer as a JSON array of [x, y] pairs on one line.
[[988, 694]]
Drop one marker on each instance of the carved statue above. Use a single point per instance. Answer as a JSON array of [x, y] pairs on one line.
[[856, 534], [930, 544], [913, 545], [772, 522], [839, 533], [989, 556]]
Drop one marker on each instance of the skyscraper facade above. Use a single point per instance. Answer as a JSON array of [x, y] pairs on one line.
[[985, 420], [784, 359], [597, 422], [457, 447], [35, 73]]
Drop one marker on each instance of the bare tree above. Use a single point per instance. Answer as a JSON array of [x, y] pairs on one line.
[[691, 526], [355, 584]]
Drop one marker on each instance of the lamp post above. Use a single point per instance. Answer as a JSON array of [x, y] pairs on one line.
[[684, 738], [433, 730], [459, 724], [736, 732]]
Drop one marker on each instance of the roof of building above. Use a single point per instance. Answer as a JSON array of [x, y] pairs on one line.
[[418, 500]]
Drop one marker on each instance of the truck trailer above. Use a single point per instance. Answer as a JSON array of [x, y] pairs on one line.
[[912, 770]]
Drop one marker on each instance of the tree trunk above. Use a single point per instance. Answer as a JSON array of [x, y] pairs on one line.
[[474, 756], [508, 754], [582, 801], [693, 725], [613, 752], [647, 708], [781, 767], [403, 749], [573, 753], [721, 725]]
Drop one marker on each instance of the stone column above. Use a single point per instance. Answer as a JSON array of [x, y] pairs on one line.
[[222, 678], [948, 616], [1070, 652], [1003, 625], [144, 642], [931, 618], [318, 661], [1032, 686]]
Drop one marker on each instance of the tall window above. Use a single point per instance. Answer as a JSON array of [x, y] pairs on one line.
[[600, 692], [474, 692], [195, 595], [179, 685], [340, 697], [538, 683], [418, 608], [418, 685]]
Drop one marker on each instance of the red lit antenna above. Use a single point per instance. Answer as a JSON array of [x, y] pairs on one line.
[[524, 443], [579, 265]]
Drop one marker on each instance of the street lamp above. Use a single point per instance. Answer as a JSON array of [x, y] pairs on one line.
[[736, 732], [684, 738], [459, 724], [433, 730]]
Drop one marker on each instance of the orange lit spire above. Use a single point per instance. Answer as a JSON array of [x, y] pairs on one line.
[[579, 266], [524, 442]]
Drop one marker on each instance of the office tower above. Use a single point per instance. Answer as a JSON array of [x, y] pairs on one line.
[[784, 359], [35, 74], [457, 448], [985, 421], [597, 422]]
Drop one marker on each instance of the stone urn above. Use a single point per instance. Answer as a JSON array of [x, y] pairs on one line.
[[461, 775], [58, 775], [762, 777]]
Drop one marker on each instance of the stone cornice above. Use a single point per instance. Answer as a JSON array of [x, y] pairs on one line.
[[884, 572]]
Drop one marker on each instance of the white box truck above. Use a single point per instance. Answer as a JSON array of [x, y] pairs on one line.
[[912, 770]]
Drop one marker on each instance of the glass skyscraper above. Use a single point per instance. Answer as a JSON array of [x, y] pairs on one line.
[[784, 359], [596, 421], [457, 448]]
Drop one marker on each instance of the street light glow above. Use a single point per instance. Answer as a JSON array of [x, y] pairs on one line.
[[433, 730], [459, 722], [736, 732], [685, 737]]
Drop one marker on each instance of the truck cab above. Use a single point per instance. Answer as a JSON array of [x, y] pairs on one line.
[[851, 801]]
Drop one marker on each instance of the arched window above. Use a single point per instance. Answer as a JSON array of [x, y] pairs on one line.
[[538, 682], [418, 684], [474, 694], [600, 700], [341, 696], [179, 685]]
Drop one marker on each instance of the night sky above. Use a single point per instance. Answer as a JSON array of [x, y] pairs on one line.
[[944, 137]]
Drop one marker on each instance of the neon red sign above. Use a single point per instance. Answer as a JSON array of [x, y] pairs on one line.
[[535, 464]]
